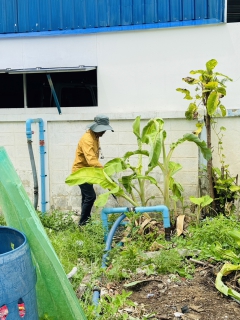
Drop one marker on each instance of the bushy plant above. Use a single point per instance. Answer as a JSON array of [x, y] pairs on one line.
[[212, 238], [57, 220]]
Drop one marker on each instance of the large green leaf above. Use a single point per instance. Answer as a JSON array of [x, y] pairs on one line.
[[103, 198], [197, 71], [203, 201], [192, 108], [207, 154], [212, 102], [174, 167], [151, 129], [186, 92], [197, 201], [223, 110], [235, 234], [132, 153], [176, 188], [221, 90], [126, 181], [211, 64], [114, 166], [136, 127], [92, 176], [223, 75], [153, 135], [190, 80], [226, 269], [149, 178], [206, 200], [211, 85]]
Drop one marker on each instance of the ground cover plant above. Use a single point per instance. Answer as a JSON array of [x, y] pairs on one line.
[[144, 266]]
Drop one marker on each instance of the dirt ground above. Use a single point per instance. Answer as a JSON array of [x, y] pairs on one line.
[[170, 297]]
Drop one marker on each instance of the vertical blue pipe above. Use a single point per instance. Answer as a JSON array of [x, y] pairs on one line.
[[42, 156]]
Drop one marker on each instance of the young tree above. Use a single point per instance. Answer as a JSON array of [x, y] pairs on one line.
[[210, 89]]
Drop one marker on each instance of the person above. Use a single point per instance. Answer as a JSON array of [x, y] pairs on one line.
[[87, 155]]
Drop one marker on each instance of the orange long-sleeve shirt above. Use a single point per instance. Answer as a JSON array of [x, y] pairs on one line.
[[87, 152]]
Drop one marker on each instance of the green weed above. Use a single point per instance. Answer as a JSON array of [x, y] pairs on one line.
[[57, 220], [2, 220], [212, 234]]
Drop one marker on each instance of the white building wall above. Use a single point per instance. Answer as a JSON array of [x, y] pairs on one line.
[[138, 72]]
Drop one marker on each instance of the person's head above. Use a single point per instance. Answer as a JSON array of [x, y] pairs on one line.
[[99, 134], [100, 125]]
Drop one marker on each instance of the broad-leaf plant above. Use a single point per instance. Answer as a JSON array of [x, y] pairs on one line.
[[122, 178]]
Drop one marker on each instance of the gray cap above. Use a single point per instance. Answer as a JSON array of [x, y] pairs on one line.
[[101, 124]]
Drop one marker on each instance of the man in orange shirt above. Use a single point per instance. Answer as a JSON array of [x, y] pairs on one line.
[[87, 155]]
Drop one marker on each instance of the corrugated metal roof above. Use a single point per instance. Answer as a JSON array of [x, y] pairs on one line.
[[50, 15]]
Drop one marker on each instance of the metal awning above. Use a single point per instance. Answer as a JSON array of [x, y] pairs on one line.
[[47, 70]]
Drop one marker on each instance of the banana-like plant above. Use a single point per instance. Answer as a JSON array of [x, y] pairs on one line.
[[132, 185]]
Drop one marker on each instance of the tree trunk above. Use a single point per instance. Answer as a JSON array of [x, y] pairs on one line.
[[209, 163]]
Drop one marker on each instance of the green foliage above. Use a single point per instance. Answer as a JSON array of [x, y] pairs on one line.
[[124, 261], [212, 237], [171, 262], [2, 220], [201, 203], [206, 105], [109, 306], [132, 187], [226, 189], [217, 239], [210, 88], [57, 220]]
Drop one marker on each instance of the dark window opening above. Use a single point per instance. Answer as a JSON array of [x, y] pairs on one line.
[[11, 91], [233, 11], [73, 89]]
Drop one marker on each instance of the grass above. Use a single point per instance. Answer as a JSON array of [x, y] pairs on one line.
[[84, 247]]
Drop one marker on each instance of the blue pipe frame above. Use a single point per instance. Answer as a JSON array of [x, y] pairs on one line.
[[29, 133], [104, 216]]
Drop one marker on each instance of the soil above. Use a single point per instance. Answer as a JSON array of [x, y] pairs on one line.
[[169, 297]]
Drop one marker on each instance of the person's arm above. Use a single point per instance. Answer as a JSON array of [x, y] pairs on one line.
[[91, 157]]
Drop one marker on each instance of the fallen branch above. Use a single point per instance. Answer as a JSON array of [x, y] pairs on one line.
[[202, 263]]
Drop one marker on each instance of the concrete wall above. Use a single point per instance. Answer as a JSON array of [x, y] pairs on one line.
[[138, 72]]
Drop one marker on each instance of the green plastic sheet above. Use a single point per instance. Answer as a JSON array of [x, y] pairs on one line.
[[55, 295]]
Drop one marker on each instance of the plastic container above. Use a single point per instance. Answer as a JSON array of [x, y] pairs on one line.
[[17, 276]]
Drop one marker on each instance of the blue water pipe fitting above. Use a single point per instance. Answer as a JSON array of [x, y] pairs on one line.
[[160, 208], [108, 237], [29, 133]]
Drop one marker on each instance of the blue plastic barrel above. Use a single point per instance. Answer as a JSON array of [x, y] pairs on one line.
[[17, 275]]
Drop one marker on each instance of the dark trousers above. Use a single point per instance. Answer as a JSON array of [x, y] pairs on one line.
[[88, 198]]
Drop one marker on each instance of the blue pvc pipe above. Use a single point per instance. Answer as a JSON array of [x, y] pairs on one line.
[[96, 292], [42, 156], [123, 210], [160, 208]]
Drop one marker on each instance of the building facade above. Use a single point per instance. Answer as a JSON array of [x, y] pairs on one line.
[[120, 58]]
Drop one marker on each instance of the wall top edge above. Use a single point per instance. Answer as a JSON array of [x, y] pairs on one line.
[[73, 115], [18, 115]]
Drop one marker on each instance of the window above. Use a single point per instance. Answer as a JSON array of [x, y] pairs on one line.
[[73, 89], [233, 11]]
